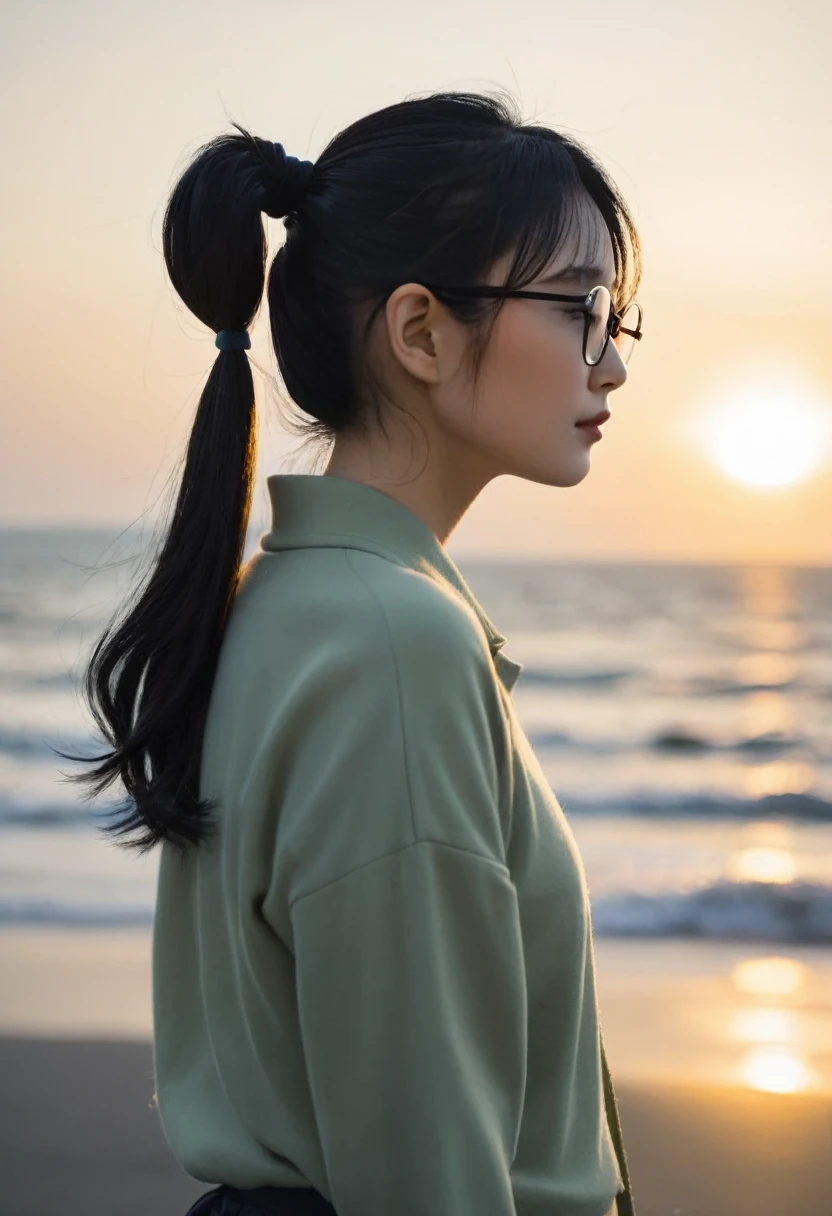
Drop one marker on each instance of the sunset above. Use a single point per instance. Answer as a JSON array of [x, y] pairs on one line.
[[772, 434], [519, 750]]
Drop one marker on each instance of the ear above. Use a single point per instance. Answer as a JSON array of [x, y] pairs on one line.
[[416, 324]]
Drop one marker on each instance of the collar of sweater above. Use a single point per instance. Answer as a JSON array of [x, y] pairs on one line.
[[312, 510]]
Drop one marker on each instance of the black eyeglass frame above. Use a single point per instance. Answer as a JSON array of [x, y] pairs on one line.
[[614, 326]]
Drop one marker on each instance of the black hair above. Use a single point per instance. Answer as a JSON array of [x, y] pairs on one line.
[[430, 189]]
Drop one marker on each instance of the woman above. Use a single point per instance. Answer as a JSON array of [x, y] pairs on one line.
[[373, 970]]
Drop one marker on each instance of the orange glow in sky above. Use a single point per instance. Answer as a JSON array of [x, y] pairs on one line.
[[711, 118]]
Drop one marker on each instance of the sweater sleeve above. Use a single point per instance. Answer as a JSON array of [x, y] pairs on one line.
[[412, 1005]]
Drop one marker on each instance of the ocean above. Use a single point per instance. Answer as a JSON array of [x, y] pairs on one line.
[[682, 713]]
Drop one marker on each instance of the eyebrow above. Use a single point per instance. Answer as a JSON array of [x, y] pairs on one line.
[[588, 273]]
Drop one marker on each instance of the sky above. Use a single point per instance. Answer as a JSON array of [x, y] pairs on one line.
[[713, 119]]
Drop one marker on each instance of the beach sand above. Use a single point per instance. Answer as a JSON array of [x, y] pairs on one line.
[[693, 1031]]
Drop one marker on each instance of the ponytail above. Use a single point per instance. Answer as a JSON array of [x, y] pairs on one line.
[[168, 641]]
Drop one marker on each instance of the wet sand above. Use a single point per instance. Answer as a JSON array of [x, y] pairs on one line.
[[79, 1135]]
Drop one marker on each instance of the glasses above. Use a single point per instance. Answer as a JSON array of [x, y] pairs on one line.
[[600, 321]]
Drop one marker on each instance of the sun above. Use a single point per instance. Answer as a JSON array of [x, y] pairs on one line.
[[771, 434]]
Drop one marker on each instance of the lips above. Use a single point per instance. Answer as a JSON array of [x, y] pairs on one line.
[[596, 421]]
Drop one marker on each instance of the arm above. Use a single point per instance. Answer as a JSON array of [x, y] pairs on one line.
[[412, 1005], [400, 910]]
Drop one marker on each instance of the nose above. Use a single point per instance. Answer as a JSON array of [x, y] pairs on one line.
[[610, 372]]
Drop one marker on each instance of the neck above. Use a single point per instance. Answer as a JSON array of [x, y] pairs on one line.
[[439, 487]]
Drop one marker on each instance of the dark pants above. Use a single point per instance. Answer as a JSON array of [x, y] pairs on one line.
[[227, 1200]]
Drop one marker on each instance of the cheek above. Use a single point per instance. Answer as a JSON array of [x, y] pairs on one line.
[[535, 359]]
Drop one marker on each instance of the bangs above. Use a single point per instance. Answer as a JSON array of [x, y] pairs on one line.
[[548, 182]]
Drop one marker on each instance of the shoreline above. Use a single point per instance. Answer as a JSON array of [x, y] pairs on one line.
[[726, 1013]]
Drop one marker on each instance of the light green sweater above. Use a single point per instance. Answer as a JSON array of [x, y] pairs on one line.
[[378, 978]]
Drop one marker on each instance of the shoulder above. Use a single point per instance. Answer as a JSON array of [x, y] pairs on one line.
[[330, 622], [374, 711], [422, 618]]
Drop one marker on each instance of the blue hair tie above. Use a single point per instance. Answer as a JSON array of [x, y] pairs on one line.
[[232, 339]]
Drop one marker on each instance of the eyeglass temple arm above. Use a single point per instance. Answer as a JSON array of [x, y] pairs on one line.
[[502, 293]]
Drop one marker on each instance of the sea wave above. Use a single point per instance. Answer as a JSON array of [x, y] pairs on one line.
[[698, 686], [25, 742], [679, 739], [70, 915], [682, 740], [53, 812], [797, 912], [581, 679], [69, 813], [739, 911], [716, 686], [658, 804]]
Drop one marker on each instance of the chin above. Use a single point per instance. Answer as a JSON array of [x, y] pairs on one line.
[[563, 475], [579, 474]]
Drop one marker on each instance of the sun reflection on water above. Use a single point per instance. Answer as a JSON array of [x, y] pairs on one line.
[[772, 976], [763, 864], [752, 1025], [765, 710], [779, 777], [775, 1071], [775, 1064], [771, 668]]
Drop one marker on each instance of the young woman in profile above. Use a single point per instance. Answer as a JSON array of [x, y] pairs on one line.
[[373, 970]]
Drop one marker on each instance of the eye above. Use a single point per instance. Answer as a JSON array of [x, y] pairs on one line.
[[577, 313]]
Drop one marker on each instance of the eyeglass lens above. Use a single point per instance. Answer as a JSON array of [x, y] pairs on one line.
[[630, 319], [599, 320]]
